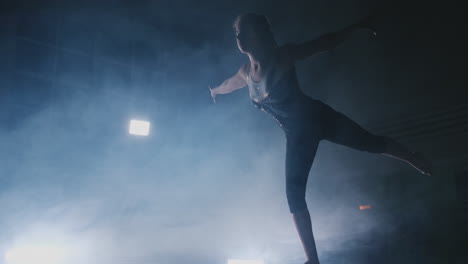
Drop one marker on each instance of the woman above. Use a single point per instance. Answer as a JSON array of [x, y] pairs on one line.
[[273, 88]]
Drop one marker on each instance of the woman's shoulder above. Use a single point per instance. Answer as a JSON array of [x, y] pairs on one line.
[[283, 55], [283, 60], [244, 70]]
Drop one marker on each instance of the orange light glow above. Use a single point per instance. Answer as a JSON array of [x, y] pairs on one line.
[[364, 207]]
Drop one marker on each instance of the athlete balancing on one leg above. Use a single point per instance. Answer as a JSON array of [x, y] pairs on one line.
[[271, 78]]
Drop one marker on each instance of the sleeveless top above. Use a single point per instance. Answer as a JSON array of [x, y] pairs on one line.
[[280, 96]]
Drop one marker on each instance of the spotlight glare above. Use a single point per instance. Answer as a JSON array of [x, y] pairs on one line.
[[139, 127], [239, 261]]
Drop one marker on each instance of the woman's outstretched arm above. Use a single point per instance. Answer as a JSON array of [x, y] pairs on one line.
[[325, 42], [236, 82]]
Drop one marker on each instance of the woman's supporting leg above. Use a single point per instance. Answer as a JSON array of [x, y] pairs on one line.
[[303, 225], [340, 129], [300, 153]]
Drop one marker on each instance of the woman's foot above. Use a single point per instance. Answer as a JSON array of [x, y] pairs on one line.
[[415, 159], [420, 163]]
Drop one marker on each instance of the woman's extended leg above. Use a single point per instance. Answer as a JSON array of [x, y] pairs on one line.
[[340, 129], [415, 159], [300, 153]]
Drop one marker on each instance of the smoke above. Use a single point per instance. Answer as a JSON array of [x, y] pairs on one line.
[[206, 185]]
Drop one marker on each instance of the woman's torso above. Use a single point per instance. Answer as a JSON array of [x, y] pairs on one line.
[[279, 95]]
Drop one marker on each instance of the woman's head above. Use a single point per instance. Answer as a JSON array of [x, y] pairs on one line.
[[253, 33]]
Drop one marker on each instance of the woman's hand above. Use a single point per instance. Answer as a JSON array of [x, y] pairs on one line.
[[366, 23], [213, 93]]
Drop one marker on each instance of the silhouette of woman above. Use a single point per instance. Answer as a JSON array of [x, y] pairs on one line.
[[273, 88]]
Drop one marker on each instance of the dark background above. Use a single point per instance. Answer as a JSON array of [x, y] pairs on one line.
[[207, 185]]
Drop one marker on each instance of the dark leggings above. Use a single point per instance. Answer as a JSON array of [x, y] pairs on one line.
[[302, 145]]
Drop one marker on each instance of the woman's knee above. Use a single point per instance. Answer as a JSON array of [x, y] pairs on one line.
[[349, 133], [296, 198], [377, 144]]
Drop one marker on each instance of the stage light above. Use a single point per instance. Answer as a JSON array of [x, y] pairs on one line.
[[36, 254], [239, 261], [140, 128]]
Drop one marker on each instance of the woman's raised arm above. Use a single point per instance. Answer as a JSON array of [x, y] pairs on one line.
[[236, 82]]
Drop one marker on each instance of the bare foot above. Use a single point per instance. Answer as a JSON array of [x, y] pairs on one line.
[[419, 162]]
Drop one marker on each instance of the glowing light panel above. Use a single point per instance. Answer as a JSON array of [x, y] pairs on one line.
[[139, 127]]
